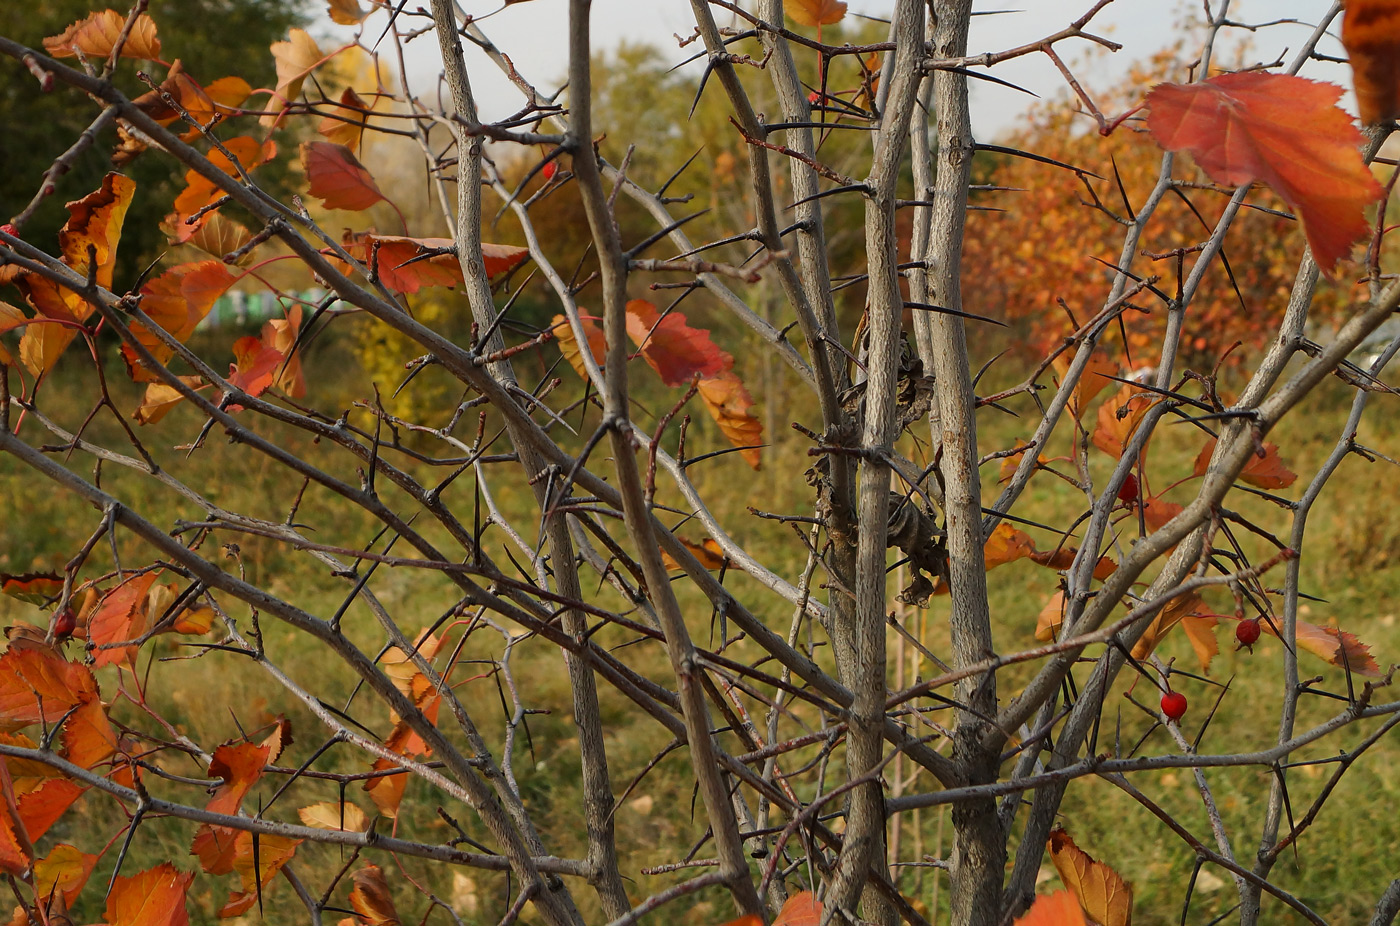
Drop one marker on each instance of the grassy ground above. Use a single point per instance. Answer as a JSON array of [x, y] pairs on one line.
[[1342, 864]]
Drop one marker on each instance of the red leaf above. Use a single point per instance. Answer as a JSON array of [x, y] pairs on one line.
[[41, 808], [1284, 131], [337, 178], [337, 129], [676, 351], [407, 265], [151, 898], [1371, 34], [88, 736]]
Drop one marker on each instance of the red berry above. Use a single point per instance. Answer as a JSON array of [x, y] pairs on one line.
[[1247, 632], [1174, 704], [550, 168], [64, 623], [814, 96], [1128, 491], [9, 229]]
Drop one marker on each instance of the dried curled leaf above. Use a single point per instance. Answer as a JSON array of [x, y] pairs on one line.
[[97, 35], [370, 898], [1371, 34], [1102, 893], [1281, 130], [1332, 644]]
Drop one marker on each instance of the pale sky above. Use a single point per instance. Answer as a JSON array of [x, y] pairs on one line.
[[533, 34]]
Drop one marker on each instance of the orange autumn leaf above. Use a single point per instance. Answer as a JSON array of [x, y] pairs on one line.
[[280, 334], [29, 677], [88, 239], [63, 871], [729, 404], [240, 765], [256, 870], [34, 587], [708, 552], [199, 191], [297, 57], [1197, 622], [1102, 893], [1093, 380], [89, 737], [1118, 420], [370, 898], [1051, 618], [40, 809], [1007, 544], [672, 348], [1281, 130], [1266, 472], [748, 919], [1371, 34], [407, 265], [347, 126], [1057, 909], [1061, 558], [568, 344], [1332, 644], [10, 319], [177, 301], [120, 616], [97, 35], [155, 897], [1012, 460], [815, 12], [1156, 512], [337, 178], [801, 909]]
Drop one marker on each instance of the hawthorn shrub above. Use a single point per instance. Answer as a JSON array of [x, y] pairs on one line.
[[520, 610]]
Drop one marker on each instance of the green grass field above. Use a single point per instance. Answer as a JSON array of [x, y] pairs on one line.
[[1343, 862]]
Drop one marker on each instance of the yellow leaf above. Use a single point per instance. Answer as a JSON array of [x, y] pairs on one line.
[[332, 815], [296, 57], [346, 12]]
